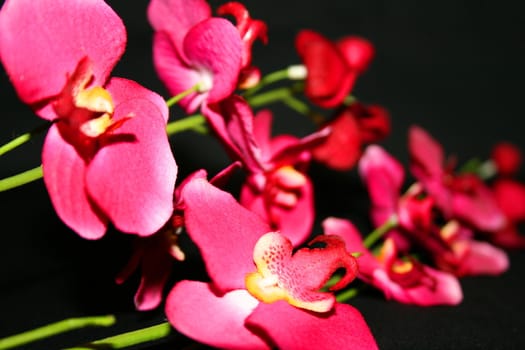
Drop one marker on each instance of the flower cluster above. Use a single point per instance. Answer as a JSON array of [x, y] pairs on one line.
[[272, 281]]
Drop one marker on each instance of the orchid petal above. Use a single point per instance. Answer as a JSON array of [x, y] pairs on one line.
[[482, 258], [218, 321], [216, 223], [426, 154], [479, 208], [132, 177], [232, 121], [64, 172], [342, 147], [298, 278], [383, 176], [213, 47], [354, 243], [510, 196], [445, 289], [43, 41], [329, 80], [176, 18], [293, 329], [175, 72]]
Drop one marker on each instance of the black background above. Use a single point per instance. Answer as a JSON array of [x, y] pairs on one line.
[[453, 67]]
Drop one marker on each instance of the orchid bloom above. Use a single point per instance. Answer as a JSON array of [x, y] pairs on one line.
[[405, 280], [452, 246], [155, 254], [192, 49], [509, 194], [106, 157], [355, 126], [250, 30], [460, 196], [332, 68], [277, 187], [261, 295]]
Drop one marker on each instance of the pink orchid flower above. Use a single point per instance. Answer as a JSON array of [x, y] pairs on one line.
[[452, 246], [250, 30], [405, 280], [277, 187], [355, 126], [106, 157], [155, 254], [192, 48], [261, 295], [507, 158], [510, 196], [332, 68], [459, 196]]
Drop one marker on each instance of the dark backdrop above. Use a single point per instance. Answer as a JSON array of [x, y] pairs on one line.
[[453, 67]]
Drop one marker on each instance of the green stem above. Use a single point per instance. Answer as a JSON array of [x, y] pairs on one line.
[[175, 99], [127, 339], [380, 231], [20, 179], [20, 140], [346, 295], [267, 80], [193, 122], [54, 329], [285, 95]]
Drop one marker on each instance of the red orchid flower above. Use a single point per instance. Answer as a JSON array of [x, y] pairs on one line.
[[277, 186], [190, 47], [261, 295], [459, 196], [407, 281], [507, 158], [355, 126], [452, 246], [106, 158], [250, 30], [332, 68]]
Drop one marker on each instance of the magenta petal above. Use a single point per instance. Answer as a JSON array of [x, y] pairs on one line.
[[196, 311], [232, 120], [132, 177], [383, 176], [445, 290], [174, 72], [354, 244], [479, 208], [42, 41], [484, 259], [291, 328], [64, 176], [214, 49], [426, 153], [177, 17], [216, 223]]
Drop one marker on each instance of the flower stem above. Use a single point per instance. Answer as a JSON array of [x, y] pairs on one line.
[[124, 340], [284, 95], [267, 80], [176, 99], [346, 295], [21, 179], [20, 140], [54, 329], [380, 231], [194, 122]]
